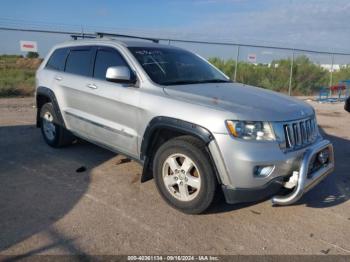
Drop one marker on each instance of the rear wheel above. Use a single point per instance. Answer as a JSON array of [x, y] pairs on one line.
[[54, 134], [184, 175]]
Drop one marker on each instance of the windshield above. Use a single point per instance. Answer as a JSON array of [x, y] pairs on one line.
[[168, 66]]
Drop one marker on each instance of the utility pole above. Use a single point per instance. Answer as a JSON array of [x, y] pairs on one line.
[[331, 76], [291, 75], [236, 66], [82, 31]]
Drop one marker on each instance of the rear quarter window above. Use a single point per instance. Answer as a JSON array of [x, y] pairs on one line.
[[57, 59]]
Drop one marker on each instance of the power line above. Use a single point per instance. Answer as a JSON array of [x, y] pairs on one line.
[[40, 31], [178, 40]]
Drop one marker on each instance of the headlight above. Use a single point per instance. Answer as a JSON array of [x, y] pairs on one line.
[[251, 130]]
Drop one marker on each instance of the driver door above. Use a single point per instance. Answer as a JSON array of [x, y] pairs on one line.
[[113, 107]]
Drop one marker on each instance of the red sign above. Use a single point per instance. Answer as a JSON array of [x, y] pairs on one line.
[[28, 46], [252, 58]]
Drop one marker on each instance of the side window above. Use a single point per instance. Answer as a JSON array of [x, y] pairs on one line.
[[57, 59], [79, 62], [104, 59]]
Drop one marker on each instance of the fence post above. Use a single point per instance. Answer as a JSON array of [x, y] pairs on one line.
[[331, 76], [236, 66], [82, 31], [291, 75]]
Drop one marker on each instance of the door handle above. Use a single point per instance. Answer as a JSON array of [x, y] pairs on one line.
[[58, 78], [92, 86]]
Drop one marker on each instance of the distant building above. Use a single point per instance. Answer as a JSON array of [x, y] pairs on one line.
[[328, 67], [275, 65]]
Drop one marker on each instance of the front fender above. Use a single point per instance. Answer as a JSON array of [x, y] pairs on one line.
[[50, 96]]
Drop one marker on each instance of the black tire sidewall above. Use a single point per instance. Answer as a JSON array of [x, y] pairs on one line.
[[201, 160], [49, 108]]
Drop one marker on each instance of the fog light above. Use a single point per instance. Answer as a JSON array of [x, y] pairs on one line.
[[263, 171], [323, 156]]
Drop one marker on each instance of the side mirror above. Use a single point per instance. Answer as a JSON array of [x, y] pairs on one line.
[[120, 74]]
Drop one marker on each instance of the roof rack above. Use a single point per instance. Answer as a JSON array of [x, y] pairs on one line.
[[83, 36], [102, 34]]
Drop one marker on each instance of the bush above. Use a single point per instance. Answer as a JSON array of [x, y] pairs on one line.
[[32, 55], [17, 78], [308, 77], [15, 82]]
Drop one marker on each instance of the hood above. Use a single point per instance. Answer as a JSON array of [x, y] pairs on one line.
[[245, 102]]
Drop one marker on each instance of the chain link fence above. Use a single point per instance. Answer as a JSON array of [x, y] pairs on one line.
[[291, 71]]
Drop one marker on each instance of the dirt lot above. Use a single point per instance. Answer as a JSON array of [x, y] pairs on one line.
[[46, 207]]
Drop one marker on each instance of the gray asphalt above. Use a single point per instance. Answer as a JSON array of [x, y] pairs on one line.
[[47, 207]]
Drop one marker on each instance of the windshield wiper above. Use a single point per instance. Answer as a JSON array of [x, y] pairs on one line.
[[188, 82], [216, 81]]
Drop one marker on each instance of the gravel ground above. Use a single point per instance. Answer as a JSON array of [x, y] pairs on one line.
[[47, 207]]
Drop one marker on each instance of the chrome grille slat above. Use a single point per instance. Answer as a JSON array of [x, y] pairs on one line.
[[289, 135], [308, 132], [300, 133], [303, 132], [312, 129], [295, 133]]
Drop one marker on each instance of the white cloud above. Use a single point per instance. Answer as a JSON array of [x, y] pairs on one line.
[[317, 24]]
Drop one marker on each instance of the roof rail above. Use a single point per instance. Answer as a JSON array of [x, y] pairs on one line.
[[102, 34], [83, 36]]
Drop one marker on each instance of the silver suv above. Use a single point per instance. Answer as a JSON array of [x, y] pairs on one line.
[[193, 130]]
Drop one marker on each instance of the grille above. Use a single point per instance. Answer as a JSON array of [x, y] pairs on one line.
[[300, 133]]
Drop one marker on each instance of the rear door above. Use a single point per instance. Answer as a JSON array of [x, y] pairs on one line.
[[72, 87]]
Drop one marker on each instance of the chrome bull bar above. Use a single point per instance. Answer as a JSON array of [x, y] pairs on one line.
[[304, 183]]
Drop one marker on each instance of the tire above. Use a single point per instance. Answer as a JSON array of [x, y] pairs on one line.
[[190, 190], [347, 105], [54, 134]]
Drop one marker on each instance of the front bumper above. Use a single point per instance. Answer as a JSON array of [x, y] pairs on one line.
[[275, 186], [307, 181], [235, 161], [244, 195]]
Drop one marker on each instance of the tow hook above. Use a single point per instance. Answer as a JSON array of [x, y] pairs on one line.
[[293, 180]]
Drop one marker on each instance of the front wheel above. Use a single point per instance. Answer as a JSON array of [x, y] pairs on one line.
[[184, 175]]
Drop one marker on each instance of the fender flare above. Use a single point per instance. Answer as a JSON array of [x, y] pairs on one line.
[[47, 92], [174, 124]]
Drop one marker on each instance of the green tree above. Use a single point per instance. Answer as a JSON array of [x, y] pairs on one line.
[[342, 74], [307, 76], [32, 55], [228, 66]]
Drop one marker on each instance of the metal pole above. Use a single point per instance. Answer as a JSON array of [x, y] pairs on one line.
[[236, 66], [331, 77], [291, 75], [82, 31]]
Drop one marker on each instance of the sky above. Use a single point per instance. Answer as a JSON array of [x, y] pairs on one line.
[[311, 24]]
